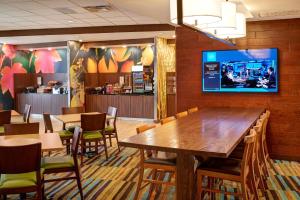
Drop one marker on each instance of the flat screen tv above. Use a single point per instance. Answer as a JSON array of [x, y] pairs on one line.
[[249, 70]]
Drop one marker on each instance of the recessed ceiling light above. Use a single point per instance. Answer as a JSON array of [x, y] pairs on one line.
[[149, 45], [30, 49], [103, 47], [4, 42], [49, 49], [80, 40], [70, 21], [124, 46], [174, 36]]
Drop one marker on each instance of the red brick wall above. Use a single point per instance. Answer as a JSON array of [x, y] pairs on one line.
[[284, 129]]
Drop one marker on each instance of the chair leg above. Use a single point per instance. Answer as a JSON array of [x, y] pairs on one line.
[[79, 183], [105, 148], [110, 143], [199, 186], [68, 145], [96, 147], [138, 188], [116, 135], [82, 152], [152, 184]]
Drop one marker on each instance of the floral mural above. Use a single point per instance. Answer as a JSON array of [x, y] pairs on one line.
[[14, 61], [103, 60]]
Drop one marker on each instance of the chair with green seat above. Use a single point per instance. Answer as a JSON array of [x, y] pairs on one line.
[[65, 135], [111, 128], [20, 170], [71, 110], [26, 113], [61, 164], [93, 126], [5, 118]]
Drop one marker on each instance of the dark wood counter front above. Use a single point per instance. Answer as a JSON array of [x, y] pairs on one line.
[[49, 103], [135, 106]]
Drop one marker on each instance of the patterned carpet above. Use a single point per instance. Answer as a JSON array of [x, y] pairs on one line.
[[116, 179]]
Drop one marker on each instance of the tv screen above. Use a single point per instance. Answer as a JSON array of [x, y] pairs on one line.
[[249, 70]]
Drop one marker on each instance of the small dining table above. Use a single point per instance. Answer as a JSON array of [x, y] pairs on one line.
[[210, 132], [75, 118], [49, 141]]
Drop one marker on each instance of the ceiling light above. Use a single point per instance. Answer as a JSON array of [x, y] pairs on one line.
[[124, 46], [228, 17], [30, 49], [197, 12], [238, 32], [173, 36], [70, 21], [49, 49], [80, 40], [103, 47], [149, 45]]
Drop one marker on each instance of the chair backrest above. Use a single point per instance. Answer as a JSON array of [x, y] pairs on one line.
[[167, 120], [75, 144], [26, 113], [20, 159], [139, 130], [72, 110], [21, 128], [192, 110], [47, 122], [93, 122], [113, 111], [144, 128], [5, 117], [181, 114]]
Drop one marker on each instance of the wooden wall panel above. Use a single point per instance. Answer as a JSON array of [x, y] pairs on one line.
[[284, 126], [148, 105], [124, 106]]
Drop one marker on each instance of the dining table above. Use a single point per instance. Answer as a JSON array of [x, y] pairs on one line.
[[49, 141], [15, 113], [75, 118], [210, 132]]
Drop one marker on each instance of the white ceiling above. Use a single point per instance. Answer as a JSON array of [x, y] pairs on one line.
[[39, 14]]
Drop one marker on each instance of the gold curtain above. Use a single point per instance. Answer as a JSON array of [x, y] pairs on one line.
[[165, 54]]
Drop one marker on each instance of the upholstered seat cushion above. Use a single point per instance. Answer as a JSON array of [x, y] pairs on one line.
[[57, 162], [71, 128], [1, 130], [151, 160], [226, 165], [89, 135], [109, 128], [65, 133], [18, 180]]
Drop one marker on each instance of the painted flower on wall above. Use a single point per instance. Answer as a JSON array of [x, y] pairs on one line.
[[9, 51], [120, 54], [7, 80], [45, 60], [110, 67]]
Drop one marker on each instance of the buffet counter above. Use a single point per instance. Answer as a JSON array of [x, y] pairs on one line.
[[42, 102], [129, 105]]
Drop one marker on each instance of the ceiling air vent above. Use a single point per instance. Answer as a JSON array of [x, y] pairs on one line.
[[66, 10], [103, 8]]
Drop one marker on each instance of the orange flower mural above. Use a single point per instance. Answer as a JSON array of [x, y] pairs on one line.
[[112, 66], [126, 67], [7, 80], [120, 54], [44, 61]]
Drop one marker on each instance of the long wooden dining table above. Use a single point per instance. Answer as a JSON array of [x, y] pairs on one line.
[[49, 141], [210, 132]]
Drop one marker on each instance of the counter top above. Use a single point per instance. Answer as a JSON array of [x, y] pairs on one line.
[[131, 94], [41, 93]]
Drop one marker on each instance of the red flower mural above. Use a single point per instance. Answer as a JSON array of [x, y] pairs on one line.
[[9, 51], [7, 80], [44, 61]]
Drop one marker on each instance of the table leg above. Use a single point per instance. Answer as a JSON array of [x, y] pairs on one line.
[[185, 177]]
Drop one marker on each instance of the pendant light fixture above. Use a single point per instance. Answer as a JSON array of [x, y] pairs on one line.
[[197, 12]]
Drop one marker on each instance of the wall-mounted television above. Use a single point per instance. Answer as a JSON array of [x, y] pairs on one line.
[[248, 70]]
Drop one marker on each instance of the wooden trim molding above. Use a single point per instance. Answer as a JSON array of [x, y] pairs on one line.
[[119, 42], [42, 45], [93, 29]]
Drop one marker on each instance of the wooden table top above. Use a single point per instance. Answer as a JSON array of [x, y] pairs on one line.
[[210, 132], [15, 113], [50, 141], [73, 118]]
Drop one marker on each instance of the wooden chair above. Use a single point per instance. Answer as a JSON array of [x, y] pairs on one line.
[[71, 110], [192, 110], [111, 130], [65, 135], [156, 165], [230, 169], [167, 120], [67, 164], [5, 118], [20, 170], [26, 113], [93, 126], [181, 114], [22, 128], [265, 151]]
